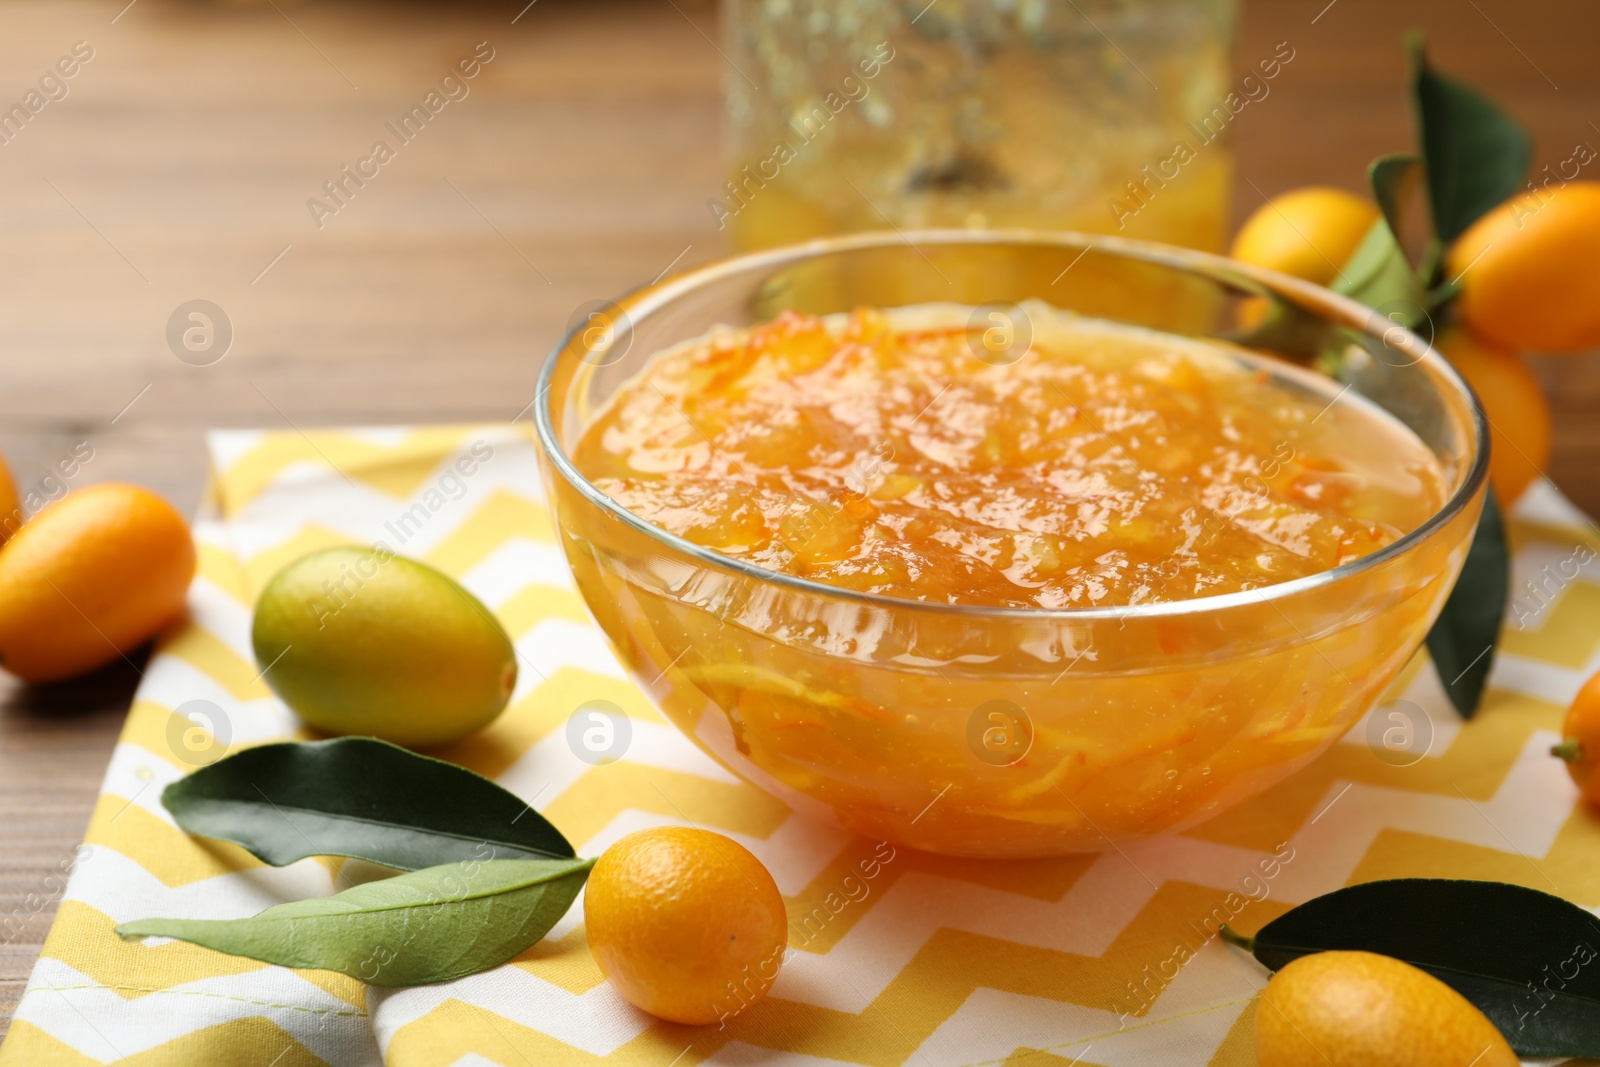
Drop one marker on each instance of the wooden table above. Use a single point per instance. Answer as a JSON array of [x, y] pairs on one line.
[[180, 163]]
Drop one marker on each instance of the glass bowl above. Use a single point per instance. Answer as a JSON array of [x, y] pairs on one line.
[[988, 731]]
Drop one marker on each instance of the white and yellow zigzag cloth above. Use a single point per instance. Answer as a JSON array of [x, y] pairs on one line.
[[932, 962]]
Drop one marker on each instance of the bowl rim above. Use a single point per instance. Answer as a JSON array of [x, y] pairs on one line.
[[1340, 310]]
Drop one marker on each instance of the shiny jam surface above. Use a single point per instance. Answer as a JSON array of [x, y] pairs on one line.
[[1102, 465]]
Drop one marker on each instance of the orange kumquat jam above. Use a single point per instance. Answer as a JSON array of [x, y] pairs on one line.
[[1070, 540], [1106, 466]]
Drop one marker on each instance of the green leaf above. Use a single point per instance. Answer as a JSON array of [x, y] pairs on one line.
[[1393, 178], [1287, 330], [358, 797], [1396, 182], [1463, 638], [427, 926], [1476, 155], [1379, 275], [1527, 959]]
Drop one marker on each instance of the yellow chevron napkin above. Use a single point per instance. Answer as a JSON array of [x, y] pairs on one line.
[[1105, 959]]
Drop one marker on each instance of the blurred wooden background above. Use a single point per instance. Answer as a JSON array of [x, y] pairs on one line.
[[179, 164]]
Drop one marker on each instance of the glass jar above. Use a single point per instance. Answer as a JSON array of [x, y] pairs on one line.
[[1094, 115]]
